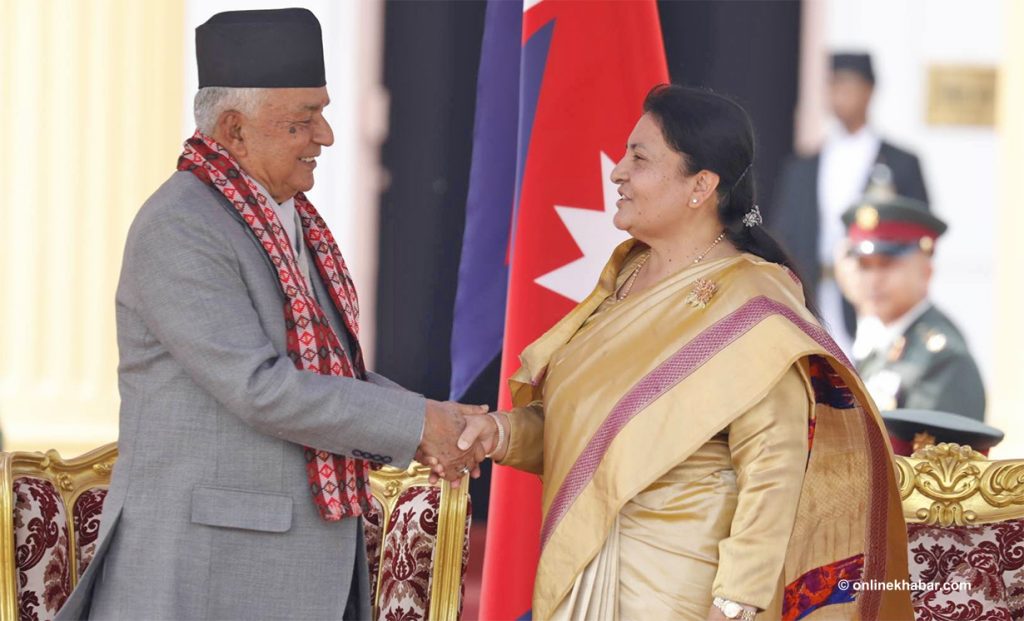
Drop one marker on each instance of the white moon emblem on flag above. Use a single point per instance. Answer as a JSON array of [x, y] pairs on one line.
[[596, 237]]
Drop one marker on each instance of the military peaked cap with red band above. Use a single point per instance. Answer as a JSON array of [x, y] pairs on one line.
[[892, 226]]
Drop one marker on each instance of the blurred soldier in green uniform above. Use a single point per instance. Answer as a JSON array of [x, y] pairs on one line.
[[908, 352]]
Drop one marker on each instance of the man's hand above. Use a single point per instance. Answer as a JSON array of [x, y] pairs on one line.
[[438, 449]]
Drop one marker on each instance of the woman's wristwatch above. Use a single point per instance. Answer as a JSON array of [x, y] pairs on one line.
[[732, 610]]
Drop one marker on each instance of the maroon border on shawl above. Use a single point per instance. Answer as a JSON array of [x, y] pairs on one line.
[[676, 368], [878, 516]]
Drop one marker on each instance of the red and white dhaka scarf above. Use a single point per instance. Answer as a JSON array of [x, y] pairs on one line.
[[340, 485]]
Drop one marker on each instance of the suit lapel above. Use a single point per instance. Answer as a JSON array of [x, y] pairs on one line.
[[321, 294], [323, 298], [228, 207]]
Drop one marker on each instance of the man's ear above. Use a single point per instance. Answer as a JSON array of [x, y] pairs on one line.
[[229, 132], [929, 267]]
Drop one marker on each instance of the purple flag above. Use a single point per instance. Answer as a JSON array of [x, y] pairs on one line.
[[479, 320]]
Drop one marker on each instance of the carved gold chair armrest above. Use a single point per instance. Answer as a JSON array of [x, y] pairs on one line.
[[953, 485], [70, 478], [389, 487]]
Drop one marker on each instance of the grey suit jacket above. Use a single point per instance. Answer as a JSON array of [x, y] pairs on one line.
[[209, 514]]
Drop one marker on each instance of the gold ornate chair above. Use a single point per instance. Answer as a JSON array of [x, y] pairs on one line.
[[417, 542], [965, 524], [417, 536], [51, 510]]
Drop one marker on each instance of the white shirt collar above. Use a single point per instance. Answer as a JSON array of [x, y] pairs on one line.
[[874, 336], [839, 135], [285, 212], [899, 327]]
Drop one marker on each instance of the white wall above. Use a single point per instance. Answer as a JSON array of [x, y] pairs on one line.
[[90, 121], [905, 37]]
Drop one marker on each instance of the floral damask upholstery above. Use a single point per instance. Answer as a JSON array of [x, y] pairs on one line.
[[88, 507], [418, 545], [48, 536], [965, 518], [41, 549], [408, 554], [420, 562], [373, 521], [988, 557]]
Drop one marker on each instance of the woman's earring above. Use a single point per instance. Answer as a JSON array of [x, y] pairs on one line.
[[694, 200]]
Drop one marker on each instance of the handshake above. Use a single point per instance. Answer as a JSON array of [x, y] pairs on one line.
[[457, 437]]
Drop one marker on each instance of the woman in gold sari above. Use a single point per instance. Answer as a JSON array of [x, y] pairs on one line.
[[707, 452]]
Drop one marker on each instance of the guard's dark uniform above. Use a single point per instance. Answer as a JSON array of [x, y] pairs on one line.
[[928, 367]]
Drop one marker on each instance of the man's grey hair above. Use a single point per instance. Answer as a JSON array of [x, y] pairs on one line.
[[212, 101]]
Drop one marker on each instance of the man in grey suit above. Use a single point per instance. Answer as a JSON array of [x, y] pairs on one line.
[[248, 423]]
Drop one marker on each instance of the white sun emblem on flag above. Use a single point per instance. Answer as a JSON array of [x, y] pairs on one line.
[[596, 237]]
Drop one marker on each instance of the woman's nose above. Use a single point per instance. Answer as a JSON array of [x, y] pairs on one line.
[[619, 172]]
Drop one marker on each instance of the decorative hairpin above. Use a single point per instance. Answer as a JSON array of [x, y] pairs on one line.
[[753, 217]]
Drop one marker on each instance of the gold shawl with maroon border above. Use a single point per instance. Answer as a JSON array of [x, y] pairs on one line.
[[638, 389]]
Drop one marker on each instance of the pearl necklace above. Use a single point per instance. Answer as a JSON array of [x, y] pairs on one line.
[[628, 285]]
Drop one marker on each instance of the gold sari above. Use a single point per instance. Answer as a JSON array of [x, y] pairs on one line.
[[610, 403]]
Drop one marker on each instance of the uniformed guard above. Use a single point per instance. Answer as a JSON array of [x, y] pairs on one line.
[[814, 190], [911, 430], [908, 351]]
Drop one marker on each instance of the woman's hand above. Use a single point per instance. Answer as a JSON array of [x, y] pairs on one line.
[[483, 429], [716, 615]]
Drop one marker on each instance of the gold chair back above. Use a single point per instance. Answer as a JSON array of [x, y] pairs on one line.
[[70, 478], [954, 485], [92, 470], [389, 486]]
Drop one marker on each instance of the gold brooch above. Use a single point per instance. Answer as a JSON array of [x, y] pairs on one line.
[[701, 293]]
